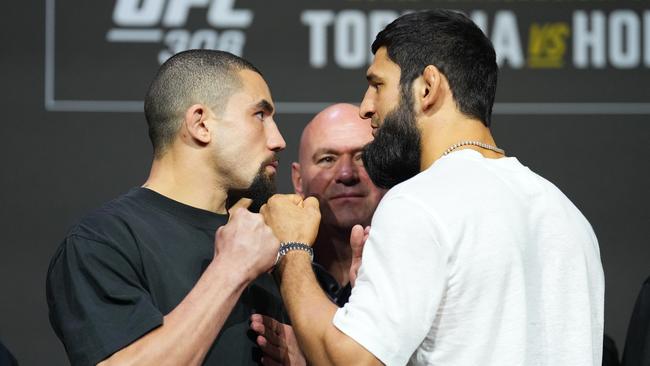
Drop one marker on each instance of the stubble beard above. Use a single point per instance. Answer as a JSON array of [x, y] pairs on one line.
[[260, 190]]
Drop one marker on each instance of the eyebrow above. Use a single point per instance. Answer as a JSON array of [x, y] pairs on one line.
[[265, 105], [329, 150], [373, 78], [324, 150]]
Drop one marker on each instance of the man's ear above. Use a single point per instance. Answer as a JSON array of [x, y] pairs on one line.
[[296, 179], [430, 87], [195, 123]]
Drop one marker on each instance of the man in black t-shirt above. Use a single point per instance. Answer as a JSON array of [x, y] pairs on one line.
[[144, 279]]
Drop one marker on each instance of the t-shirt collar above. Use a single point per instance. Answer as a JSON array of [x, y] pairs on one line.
[[191, 215]]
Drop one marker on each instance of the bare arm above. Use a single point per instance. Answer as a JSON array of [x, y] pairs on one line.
[[246, 247], [310, 310]]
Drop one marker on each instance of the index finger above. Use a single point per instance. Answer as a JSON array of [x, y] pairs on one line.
[[282, 198], [271, 324], [311, 201], [295, 199]]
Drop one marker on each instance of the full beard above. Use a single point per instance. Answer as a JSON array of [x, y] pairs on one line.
[[261, 189], [394, 155]]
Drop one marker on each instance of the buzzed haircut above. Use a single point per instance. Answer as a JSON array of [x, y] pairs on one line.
[[208, 77], [450, 41]]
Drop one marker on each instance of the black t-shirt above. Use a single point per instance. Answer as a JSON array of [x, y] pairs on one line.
[[637, 342], [6, 358], [337, 294], [126, 265]]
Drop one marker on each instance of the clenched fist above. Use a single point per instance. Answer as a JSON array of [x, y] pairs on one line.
[[246, 242], [291, 218]]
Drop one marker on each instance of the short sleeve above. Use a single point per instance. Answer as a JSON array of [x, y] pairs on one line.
[[97, 301], [401, 281]]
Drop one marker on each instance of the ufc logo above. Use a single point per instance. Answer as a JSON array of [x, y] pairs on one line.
[[174, 13]]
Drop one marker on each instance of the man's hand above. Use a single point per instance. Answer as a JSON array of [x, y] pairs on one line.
[[358, 238], [246, 242], [277, 341], [292, 218]]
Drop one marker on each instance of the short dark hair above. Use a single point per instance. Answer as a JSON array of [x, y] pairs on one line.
[[189, 77], [450, 41]]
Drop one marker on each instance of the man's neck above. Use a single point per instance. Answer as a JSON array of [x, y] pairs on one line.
[[187, 181], [333, 252], [438, 136]]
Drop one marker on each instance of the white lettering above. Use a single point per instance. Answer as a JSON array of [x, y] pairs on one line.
[[204, 38], [317, 21], [505, 38], [223, 14], [480, 18], [585, 40], [377, 21], [646, 37], [624, 41], [178, 11], [178, 40], [233, 41], [137, 12], [350, 47]]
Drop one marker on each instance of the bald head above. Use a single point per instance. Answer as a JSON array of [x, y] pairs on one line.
[[338, 122], [330, 166]]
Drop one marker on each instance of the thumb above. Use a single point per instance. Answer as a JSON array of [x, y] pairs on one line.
[[357, 240], [311, 202], [242, 203]]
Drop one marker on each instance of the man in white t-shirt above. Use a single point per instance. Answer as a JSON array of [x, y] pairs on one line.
[[472, 259]]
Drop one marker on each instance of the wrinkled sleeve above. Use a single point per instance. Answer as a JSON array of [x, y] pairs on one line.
[[401, 281], [97, 301]]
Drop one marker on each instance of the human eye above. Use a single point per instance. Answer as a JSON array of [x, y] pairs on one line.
[[326, 159], [260, 115], [375, 83], [358, 158]]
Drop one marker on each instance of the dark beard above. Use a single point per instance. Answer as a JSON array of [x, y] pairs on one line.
[[394, 155], [260, 190]]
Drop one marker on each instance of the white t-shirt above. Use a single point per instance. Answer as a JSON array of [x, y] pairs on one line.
[[474, 262]]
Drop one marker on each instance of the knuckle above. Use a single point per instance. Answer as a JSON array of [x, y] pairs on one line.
[[256, 218]]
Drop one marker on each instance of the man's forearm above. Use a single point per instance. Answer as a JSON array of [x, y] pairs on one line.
[[190, 329], [309, 309], [311, 314]]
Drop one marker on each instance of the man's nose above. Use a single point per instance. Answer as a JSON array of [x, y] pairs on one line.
[[367, 107], [274, 139], [348, 172]]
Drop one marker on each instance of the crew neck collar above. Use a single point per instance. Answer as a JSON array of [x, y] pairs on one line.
[[191, 215]]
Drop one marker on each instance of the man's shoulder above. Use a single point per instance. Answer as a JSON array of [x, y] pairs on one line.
[[440, 175], [110, 227], [103, 232], [409, 198], [112, 216]]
